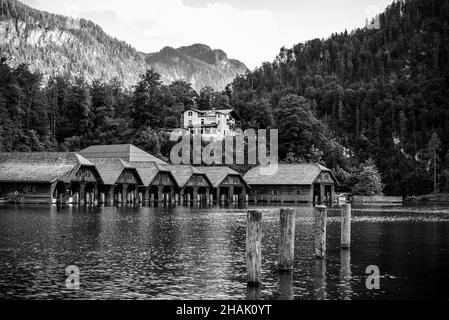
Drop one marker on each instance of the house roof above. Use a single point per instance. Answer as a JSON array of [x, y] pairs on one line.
[[288, 174], [217, 174], [183, 173], [111, 169], [45, 167], [149, 170], [211, 112], [127, 152]]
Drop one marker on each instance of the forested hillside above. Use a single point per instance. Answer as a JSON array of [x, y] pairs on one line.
[[55, 45], [382, 94], [356, 97]]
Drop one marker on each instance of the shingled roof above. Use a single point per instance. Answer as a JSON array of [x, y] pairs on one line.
[[217, 174], [127, 152], [288, 174], [111, 169], [41, 167], [149, 170], [183, 173]]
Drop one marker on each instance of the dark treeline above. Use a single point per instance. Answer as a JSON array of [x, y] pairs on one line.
[[352, 102], [70, 114], [382, 93]]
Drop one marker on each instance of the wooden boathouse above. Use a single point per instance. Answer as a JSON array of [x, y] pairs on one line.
[[40, 177], [120, 181], [159, 184], [228, 185], [297, 183], [193, 185]]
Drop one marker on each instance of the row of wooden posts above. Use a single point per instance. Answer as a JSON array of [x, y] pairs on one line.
[[287, 239]]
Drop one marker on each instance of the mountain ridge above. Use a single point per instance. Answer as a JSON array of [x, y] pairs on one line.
[[58, 45]]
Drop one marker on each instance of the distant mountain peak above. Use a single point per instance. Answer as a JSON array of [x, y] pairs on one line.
[[59, 45], [197, 64]]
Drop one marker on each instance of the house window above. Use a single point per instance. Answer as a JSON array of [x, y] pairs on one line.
[[190, 114], [202, 121], [30, 189], [298, 192], [275, 192]]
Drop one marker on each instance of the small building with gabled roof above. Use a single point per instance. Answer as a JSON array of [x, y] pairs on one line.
[[193, 185], [44, 177], [227, 184], [120, 180], [299, 183], [159, 184], [127, 152]]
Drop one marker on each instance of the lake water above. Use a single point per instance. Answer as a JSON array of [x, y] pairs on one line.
[[199, 253]]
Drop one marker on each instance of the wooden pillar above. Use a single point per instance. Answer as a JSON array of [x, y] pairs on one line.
[[125, 193], [311, 196], [160, 198], [346, 226], [345, 274], [322, 194], [147, 196], [286, 239], [135, 195], [195, 194], [172, 196], [95, 194], [244, 194], [254, 247], [207, 196], [82, 193], [332, 195], [320, 231]]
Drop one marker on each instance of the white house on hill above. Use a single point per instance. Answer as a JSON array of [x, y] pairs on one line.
[[210, 123]]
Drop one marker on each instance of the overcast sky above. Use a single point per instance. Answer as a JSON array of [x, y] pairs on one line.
[[252, 31]]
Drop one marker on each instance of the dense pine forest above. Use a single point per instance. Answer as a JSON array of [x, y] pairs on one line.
[[354, 101], [382, 93]]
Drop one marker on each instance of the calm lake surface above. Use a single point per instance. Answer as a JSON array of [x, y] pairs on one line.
[[199, 253]]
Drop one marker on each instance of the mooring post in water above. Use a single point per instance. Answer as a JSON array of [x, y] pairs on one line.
[[346, 226], [320, 231], [286, 239], [254, 247]]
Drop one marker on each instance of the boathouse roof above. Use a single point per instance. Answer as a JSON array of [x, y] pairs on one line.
[[183, 173], [40, 167], [149, 170], [111, 169], [127, 152], [288, 174], [217, 174]]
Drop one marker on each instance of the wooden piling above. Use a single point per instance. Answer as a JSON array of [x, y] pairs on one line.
[[286, 239], [320, 231], [254, 247], [346, 226]]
